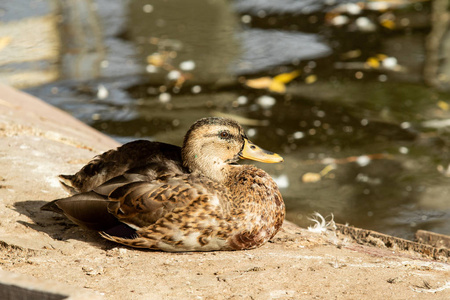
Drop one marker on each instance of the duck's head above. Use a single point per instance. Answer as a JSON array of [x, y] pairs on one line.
[[213, 145]]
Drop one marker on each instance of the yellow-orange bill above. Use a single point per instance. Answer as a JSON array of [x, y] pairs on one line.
[[253, 152]]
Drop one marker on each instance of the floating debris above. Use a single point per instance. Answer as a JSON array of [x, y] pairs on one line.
[[340, 20], [102, 92], [266, 102], [187, 65], [403, 150], [443, 105], [310, 79], [311, 177], [363, 160], [242, 100], [151, 69], [298, 135], [436, 123], [164, 97], [276, 84], [365, 24], [196, 89], [174, 75], [156, 59], [147, 8]]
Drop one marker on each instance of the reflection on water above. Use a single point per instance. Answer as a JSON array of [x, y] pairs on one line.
[[353, 127]]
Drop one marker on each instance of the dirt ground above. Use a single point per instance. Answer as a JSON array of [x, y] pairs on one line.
[[38, 142]]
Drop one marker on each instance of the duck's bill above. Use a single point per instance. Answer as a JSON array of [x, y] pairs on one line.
[[253, 152]]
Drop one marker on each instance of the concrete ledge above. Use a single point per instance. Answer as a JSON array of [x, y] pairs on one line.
[[16, 286]]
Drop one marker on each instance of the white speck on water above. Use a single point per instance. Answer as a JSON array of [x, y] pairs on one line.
[[365, 24], [173, 75], [151, 69], [405, 125], [403, 150], [320, 113], [164, 97], [389, 62], [382, 78], [340, 20], [251, 132], [196, 89], [363, 160], [352, 8], [246, 19], [187, 65], [147, 8], [242, 100], [261, 13], [364, 122], [378, 6], [266, 101], [102, 92], [298, 135]]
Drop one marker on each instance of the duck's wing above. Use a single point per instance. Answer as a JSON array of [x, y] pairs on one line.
[[143, 203], [113, 163], [120, 207]]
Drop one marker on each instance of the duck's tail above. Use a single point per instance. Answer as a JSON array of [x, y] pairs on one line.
[[67, 182]]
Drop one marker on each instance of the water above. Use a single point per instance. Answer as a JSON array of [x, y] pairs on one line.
[[363, 129]]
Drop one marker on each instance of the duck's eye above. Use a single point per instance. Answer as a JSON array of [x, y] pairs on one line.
[[224, 134]]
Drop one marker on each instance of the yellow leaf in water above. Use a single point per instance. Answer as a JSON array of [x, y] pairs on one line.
[[327, 170], [311, 79], [443, 105], [156, 60], [4, 41], [311, 177], [277, 87], [373, 62], [259, 83], [389, 24], [286, 77]]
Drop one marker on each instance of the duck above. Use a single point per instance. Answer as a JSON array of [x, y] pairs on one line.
[[158, 196]]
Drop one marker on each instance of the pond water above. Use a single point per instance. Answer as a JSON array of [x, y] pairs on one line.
[[362, 137]]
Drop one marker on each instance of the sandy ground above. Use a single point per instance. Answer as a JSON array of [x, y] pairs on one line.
[[38, 142]]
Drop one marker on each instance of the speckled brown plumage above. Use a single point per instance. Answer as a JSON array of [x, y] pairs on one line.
[[195, 198]]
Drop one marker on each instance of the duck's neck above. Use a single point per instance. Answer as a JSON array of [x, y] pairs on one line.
[[215, 170]]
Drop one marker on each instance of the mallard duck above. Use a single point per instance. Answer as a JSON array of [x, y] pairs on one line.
[[194, 198]]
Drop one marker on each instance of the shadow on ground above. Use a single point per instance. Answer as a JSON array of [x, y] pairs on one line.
[[57, 226]]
